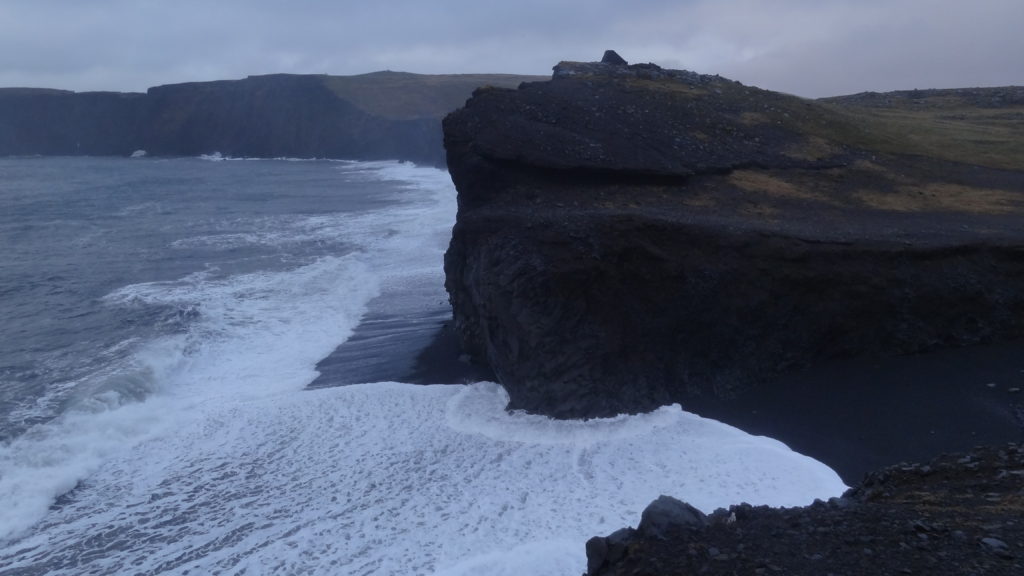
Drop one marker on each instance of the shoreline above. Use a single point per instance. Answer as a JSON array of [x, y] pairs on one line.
[[395, 348], [854, 415]]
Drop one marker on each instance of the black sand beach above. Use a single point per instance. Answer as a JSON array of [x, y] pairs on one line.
[[861, 415], [388, 347]]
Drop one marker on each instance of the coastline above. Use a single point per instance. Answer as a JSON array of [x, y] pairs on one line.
[[394, 348]]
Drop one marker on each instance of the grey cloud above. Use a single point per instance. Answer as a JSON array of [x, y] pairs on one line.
[[806, 47]]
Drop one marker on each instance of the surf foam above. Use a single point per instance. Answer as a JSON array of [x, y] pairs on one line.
[[246, 336], [396, 479]]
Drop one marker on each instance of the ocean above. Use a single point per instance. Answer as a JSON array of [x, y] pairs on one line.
[[162, 411]]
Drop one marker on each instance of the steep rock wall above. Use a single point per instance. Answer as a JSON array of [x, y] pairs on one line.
[[631, 236]]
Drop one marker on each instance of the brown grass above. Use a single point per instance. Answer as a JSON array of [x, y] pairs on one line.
[[945, 197], [754, 118], [992, 137], [773, 186], [813, 148]]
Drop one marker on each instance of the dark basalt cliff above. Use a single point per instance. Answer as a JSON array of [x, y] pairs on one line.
[[261, 116], [956, 515], [630, 236]]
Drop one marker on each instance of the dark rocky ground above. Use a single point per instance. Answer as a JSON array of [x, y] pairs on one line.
[[958, 515]]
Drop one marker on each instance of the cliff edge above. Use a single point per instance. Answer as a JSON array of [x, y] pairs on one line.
[[630, 236]]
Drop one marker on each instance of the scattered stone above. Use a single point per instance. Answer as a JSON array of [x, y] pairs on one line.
[[997, 547]]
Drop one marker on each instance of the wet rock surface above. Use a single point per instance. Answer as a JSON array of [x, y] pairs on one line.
[[958, 514]]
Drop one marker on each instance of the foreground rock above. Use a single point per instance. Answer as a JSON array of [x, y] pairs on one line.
[[957, 515], [630, 236]]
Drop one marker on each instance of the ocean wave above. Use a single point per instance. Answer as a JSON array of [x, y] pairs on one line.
[[241, 336]]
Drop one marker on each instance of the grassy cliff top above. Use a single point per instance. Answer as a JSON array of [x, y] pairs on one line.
[[927, 166], [982, 126]]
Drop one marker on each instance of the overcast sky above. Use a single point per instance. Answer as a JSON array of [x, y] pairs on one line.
[[805, 47]]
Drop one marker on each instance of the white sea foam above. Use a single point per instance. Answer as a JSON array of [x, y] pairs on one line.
[[387, 479], [256, 334], [253, 335]]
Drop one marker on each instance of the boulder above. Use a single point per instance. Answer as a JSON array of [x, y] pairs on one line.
[[667, 515]]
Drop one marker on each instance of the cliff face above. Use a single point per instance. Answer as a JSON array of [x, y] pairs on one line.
[[260, 116], [629, 236], [54, 122]]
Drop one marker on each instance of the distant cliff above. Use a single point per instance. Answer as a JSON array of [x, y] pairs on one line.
[[384, 115], [630, 236]]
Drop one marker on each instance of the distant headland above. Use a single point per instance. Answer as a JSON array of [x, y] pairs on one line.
[[382, 115]]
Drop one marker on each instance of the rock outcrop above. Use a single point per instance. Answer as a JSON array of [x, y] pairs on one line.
[[261, 116], [959, 514], [630, 236]]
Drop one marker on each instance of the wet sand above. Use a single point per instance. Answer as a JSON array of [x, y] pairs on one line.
[[861, 415], [397, 348]]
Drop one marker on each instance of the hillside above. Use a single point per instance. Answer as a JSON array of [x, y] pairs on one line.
[[386, 115], [982, 126]]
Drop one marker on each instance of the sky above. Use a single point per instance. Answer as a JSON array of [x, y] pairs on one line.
[[810, 48]]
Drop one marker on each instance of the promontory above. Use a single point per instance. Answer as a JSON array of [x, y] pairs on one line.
[[630, 236]]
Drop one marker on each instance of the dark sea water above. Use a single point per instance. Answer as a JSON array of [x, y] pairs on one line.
[[75, 231], [162, 320]]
